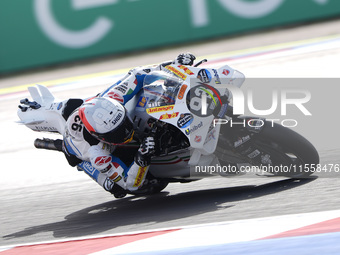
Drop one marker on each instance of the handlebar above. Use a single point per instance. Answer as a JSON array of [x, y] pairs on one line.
[[201, 62]]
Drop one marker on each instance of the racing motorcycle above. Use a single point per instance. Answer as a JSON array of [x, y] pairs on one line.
[[188, 105]]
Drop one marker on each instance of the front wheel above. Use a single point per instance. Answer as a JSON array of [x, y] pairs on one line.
[[281, 151], [287, 149]]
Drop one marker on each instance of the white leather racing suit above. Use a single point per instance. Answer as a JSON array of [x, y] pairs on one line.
[[96, 157]]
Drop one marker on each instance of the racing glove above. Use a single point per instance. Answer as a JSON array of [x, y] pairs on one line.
[[185, 59], [145, 151]]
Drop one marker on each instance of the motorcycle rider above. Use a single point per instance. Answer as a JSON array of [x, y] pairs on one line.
[[100, 123]]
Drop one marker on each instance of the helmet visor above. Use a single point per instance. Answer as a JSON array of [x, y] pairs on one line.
[[120, 135]]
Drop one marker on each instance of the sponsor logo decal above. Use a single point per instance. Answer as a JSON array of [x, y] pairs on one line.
[[115, 96], [88, 168], [241, 141], [226, 72], [211, 136], [106, 169], [265, 159], [140, 175], [177, 72], [202, 100], [198, 138], [169, 116], [184, 120], [160, 109], [204, 75], [254, 154], [99, 161], [115, 177], [186, 69], [142, 102], [117, 118], [182, 91], [49, 129], [152, 103], [122, 88], [217, 77], [188, 131], [59, 106], [255, 125]]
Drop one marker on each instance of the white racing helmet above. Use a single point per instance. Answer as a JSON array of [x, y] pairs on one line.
[[107, 120]]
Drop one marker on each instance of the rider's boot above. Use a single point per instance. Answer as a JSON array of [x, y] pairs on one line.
[[118, 191], [111, 187]]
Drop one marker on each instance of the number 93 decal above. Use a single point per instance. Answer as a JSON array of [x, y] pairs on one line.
[[76, 126], [202, 100]]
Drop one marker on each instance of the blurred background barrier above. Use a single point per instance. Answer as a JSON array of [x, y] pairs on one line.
[[35, 33]]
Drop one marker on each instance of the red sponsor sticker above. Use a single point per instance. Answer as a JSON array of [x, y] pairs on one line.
[[115, 96], [169, 116], [177, 72], [198, 138], [99, 161], [186, 69], [226, 72]]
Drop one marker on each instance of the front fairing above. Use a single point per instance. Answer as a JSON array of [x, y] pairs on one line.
[[175, 96], [167, 100]]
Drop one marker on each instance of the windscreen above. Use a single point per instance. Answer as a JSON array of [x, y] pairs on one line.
[[161, 88]]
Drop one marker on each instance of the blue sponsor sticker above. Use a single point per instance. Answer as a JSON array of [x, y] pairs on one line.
[[217, 77], [204, 75], [142, 102], [193, 129], [89, 169], [185, 119], [59, 106]]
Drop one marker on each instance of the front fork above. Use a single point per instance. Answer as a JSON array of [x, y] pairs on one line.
[[239, 133]]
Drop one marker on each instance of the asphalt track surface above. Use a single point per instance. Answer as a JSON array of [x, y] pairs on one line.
[[43, 199]]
